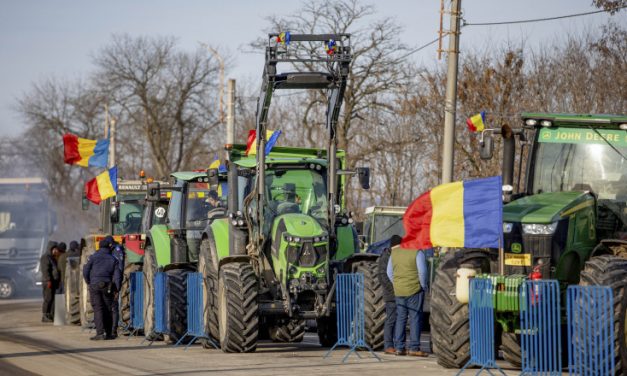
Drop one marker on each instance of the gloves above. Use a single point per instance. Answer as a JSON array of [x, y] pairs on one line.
[[49, 285]]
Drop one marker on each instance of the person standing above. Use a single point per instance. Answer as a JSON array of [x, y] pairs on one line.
[[119, 254], [62, 260], [407, 269], [49, 280], [388, 296], [102, 274], [74, 250]]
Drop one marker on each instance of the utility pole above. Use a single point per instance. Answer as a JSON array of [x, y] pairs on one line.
[[450, 103], [230, 113], [221, 89]]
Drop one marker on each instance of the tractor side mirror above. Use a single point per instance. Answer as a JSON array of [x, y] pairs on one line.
[[84, 202], [115, 212], [486, 146], [212, 175], [153, 192], [364, 177]]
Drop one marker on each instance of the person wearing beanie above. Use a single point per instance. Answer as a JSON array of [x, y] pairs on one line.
[[102, 275], [74, 249], [49, 280]]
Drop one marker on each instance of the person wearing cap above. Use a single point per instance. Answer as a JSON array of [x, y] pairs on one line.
[[61, 261], [407, 269], [102, 275], [50, 277]]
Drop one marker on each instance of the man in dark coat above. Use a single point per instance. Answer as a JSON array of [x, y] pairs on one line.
[[61, 261], [74, 249], [119, 254], [388, 296], [102, 274], [50, 278]]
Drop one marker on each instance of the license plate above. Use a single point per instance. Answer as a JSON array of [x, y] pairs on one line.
[[513, 259]]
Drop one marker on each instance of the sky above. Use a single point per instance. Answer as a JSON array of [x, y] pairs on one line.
[[42, 38]]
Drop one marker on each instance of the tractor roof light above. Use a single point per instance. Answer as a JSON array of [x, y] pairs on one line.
[[623, 126], [531, 122], [546, 123]]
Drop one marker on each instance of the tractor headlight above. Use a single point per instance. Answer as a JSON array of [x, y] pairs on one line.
[[240, 222], [538, 229], [507, 227]]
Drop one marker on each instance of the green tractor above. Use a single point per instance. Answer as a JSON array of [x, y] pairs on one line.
[[270, 265], [568, 222], [172, 245], [382, 222]]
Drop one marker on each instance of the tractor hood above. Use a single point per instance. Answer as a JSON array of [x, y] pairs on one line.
[[546, 207], [296, 224]]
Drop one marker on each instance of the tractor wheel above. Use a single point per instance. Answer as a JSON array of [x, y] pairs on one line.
[[450, 327], [609, 270], [125, 293], [86, 311], [327, 330], [150, 269], [7, 288], [209, 270], [177, 304], [292, 331], [72, 292], [510, 346], [238, 310], [374, 304]]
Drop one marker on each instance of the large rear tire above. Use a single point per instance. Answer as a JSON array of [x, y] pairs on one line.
[[208, 266], [374, 304], [609, 270], [291, 331], [72, 291], [86, 311], [450, 327], [238, 309], [150, 269], [177, 304], [510, 346], [125, 293]]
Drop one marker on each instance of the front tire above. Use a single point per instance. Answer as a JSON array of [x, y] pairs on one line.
[[512, 352], [290, 331], [327, 330], [208, 267], [238, 308], [177, 304], [150, 269], [609, 270], [374, 304]]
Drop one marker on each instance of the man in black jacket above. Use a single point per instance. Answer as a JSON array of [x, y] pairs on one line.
[[388, 297], [102, 274], [50, 278]]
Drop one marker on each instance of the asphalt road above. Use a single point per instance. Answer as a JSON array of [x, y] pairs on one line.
[[28, 347]]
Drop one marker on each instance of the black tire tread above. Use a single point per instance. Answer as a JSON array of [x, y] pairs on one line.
[[177, 303], [374, 304], [240, 283], [291, 331]]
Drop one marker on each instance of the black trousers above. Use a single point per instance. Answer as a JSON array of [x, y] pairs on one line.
[[47, 307], [102, 303], [115, 313]]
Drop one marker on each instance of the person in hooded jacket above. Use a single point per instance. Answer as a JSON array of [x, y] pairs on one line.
[[50, 278], [102, 274]]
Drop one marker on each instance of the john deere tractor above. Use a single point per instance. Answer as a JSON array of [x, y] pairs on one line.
[[172, 245], [568, 222], [270, 265]]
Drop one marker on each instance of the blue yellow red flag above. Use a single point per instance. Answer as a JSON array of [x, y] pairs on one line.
[[84, 152], [102, 186], [476, 123], [271, 139]]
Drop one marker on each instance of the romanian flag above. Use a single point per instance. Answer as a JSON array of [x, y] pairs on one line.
[[476, 123], [466, 214], [84, 152], [102, 186], [251, 144], [216, 164]]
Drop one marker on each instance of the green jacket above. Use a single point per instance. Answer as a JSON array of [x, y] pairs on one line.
[[405, 272]]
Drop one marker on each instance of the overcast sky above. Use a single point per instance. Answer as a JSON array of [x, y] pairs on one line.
[[46, 38]]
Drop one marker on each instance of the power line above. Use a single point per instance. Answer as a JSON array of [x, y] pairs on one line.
[[464, 23], [419, 48]]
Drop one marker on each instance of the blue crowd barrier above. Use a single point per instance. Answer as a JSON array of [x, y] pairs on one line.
[[349, 298], [481, 317], [195, 317], [540, 328], [160, 303], [590, 312], [136, 302]]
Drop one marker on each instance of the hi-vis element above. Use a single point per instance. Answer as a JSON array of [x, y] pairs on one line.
[[466, 214], [84, 152], [102, 186], [251, 144], [476, 123]]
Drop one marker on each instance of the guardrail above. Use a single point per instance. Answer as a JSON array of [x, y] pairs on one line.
[[136, 302], [195, 317]]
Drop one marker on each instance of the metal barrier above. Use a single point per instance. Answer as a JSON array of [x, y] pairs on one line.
[[349, 300], [160, 307], [540, 328], [136, 302], [481, 316], [195, 317], [591, 330]]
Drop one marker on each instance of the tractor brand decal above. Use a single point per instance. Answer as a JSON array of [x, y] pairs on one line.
[[516, 247], [583, 136], [160, 212], [130, 187], [518, 260]]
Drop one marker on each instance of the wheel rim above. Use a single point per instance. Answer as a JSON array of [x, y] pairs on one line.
[[6, 289]]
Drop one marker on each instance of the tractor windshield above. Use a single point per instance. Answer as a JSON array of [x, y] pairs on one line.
[[200, 205], [580, 159], [297, 191], [131, 212], [387, 225]]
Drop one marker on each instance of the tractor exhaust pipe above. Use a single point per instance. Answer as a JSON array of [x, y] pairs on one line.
[[509, 156]]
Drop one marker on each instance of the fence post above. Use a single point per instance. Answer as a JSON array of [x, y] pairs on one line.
[[540, 328], [590, 312], [481, 317], [350, 314], [136, 302]]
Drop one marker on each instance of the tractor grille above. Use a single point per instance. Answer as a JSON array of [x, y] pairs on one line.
[[306, 254], [24, 258]]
